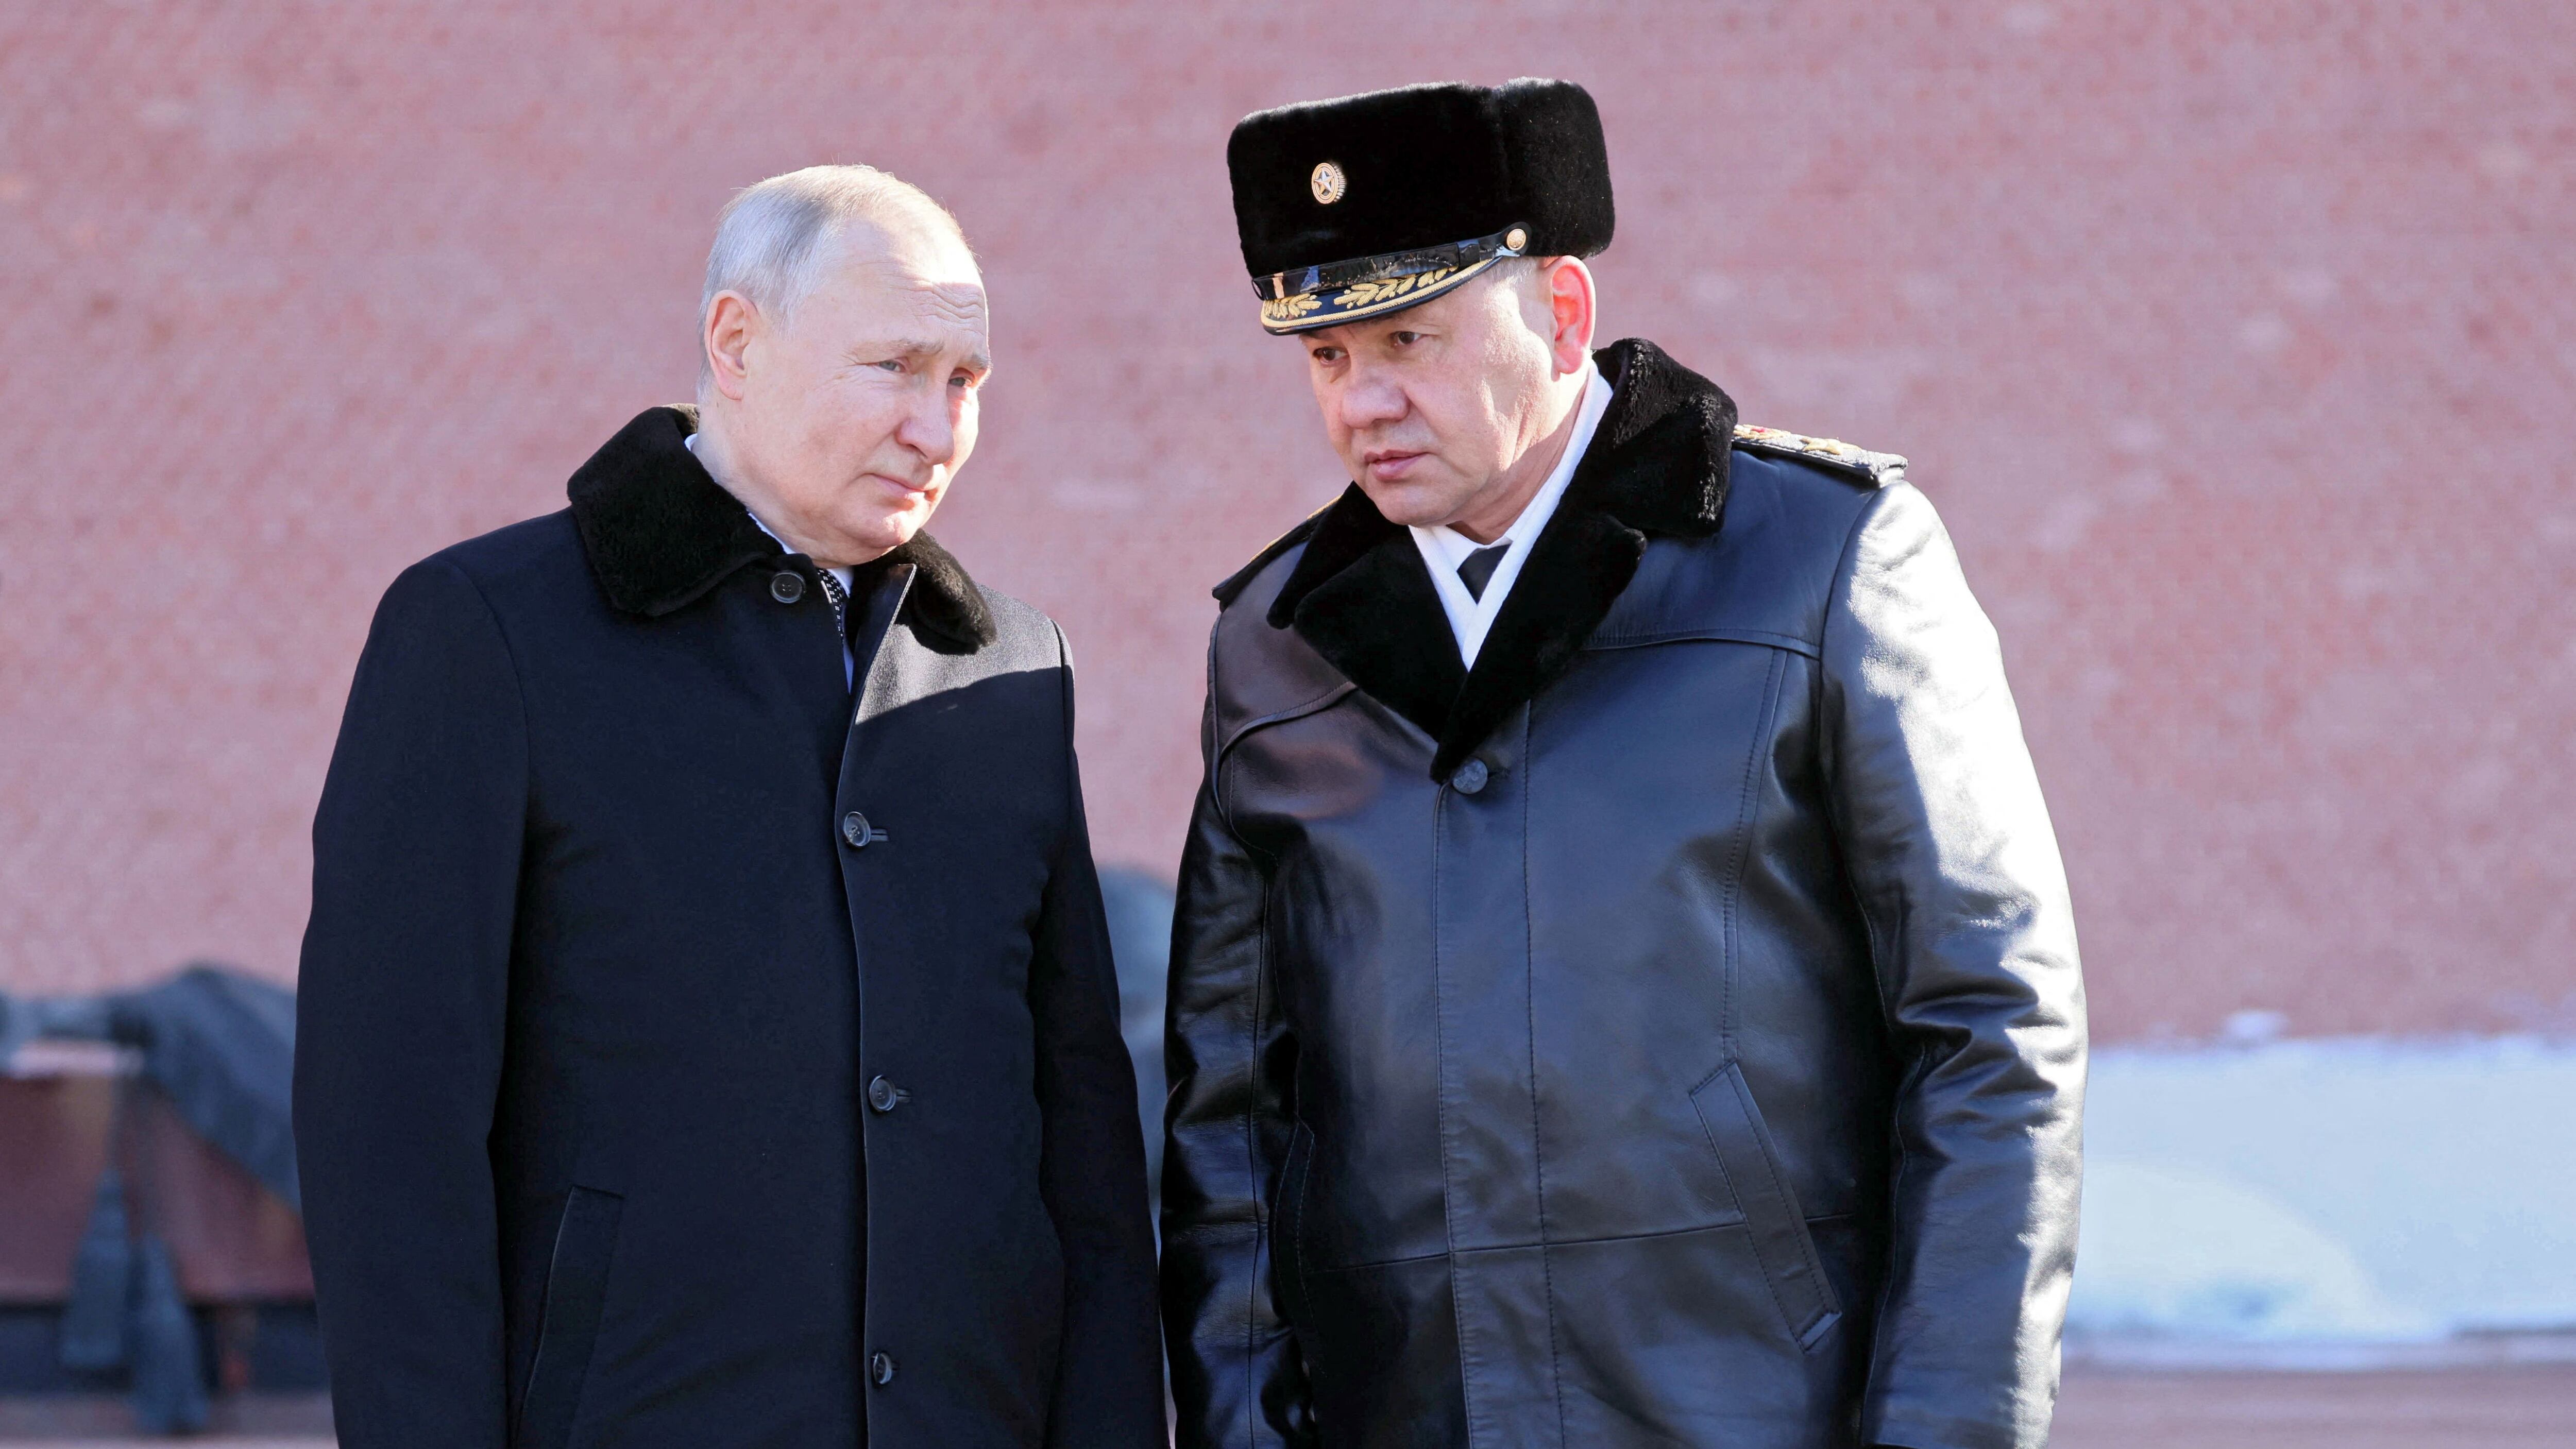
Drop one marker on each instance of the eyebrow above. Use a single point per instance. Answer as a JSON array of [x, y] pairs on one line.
[[915, 347]]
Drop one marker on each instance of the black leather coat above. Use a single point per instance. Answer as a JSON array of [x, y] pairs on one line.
[[689, 1057], [1668, 1033]]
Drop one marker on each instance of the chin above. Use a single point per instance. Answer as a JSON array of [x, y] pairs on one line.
[[890, 529], [1410, 504]]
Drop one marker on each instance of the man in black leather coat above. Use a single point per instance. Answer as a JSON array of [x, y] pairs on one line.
[[1624, 988]]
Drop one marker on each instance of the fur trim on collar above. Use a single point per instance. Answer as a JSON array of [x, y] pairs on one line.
[[660, 532], [1361, 596]]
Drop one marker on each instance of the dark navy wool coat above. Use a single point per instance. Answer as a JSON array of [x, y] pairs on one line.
[[690, 1054]]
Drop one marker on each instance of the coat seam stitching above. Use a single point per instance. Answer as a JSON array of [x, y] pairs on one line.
[[1538, 1151], [1757, 638], [1300, 710], [1262, 1234], [1748, 816], [1295, 1202], [1448, 1212], [1412, 1259], [1262, 1246], [1846, 575]]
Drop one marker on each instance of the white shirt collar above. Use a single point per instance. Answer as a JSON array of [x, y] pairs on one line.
[[1444, 548]]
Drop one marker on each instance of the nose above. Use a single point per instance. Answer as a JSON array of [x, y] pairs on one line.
[[1370, 398], [928, 429]]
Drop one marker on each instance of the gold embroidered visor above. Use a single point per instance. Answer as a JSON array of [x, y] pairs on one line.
[[1338, 292]]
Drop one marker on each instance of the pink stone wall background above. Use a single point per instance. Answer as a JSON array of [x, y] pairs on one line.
[[2237, 342]]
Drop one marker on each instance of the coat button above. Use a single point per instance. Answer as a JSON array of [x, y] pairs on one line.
[[885, 1096], [1471, 777], [787, 586], [881, 1367], [854, 828]]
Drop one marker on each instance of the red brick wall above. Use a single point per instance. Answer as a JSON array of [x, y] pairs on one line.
[[2236, 341]]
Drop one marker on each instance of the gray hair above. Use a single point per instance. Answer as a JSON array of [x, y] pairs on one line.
[[770, 237]]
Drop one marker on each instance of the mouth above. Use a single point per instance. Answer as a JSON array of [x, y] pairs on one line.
[[1389, 465], [906, 488]]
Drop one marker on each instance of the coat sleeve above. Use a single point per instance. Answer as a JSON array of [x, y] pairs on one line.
[[400, 1018], [1108, 1382], [1956, 872], [1237, 1379]]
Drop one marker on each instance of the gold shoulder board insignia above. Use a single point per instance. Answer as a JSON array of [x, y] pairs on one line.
[[1883, 469]]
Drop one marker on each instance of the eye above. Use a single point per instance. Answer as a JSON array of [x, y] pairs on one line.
[[891, 364], [1327, 355], [963, 379], [1404, 339]]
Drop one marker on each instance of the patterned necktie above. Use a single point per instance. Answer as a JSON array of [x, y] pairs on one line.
[[845, 614], [839, 596], [1477, 570]]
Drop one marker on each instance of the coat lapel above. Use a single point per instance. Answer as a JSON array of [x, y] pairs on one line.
[[1362, 598], [660, 532]]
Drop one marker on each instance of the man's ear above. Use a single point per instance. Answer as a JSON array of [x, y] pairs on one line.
[[1570, 304], [731, 320]]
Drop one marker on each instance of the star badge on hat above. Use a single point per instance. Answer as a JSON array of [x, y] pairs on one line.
[[1424, 188]]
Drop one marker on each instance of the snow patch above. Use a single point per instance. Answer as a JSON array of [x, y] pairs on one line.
[[2323, 1191], [2175, 1252]]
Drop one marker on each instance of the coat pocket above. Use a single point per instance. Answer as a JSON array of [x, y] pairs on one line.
[[1287, 1261], [1781, 1243], [568, 1321]]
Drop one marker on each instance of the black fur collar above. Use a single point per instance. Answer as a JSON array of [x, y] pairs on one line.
[[660, 532], [1361, 596]]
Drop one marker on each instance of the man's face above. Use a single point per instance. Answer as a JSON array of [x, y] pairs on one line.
[[856, 414], [1431, 406]]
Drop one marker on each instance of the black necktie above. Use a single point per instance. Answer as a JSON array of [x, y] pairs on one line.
[[1478, 568]]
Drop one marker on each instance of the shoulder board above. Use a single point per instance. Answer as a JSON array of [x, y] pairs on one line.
[[1881, 469], [1234, 582]]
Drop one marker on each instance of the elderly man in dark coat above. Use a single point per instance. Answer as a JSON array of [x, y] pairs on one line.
[[1624, 993], [709, 1035]]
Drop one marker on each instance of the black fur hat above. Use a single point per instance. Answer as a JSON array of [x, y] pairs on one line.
[[1369, 204]]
